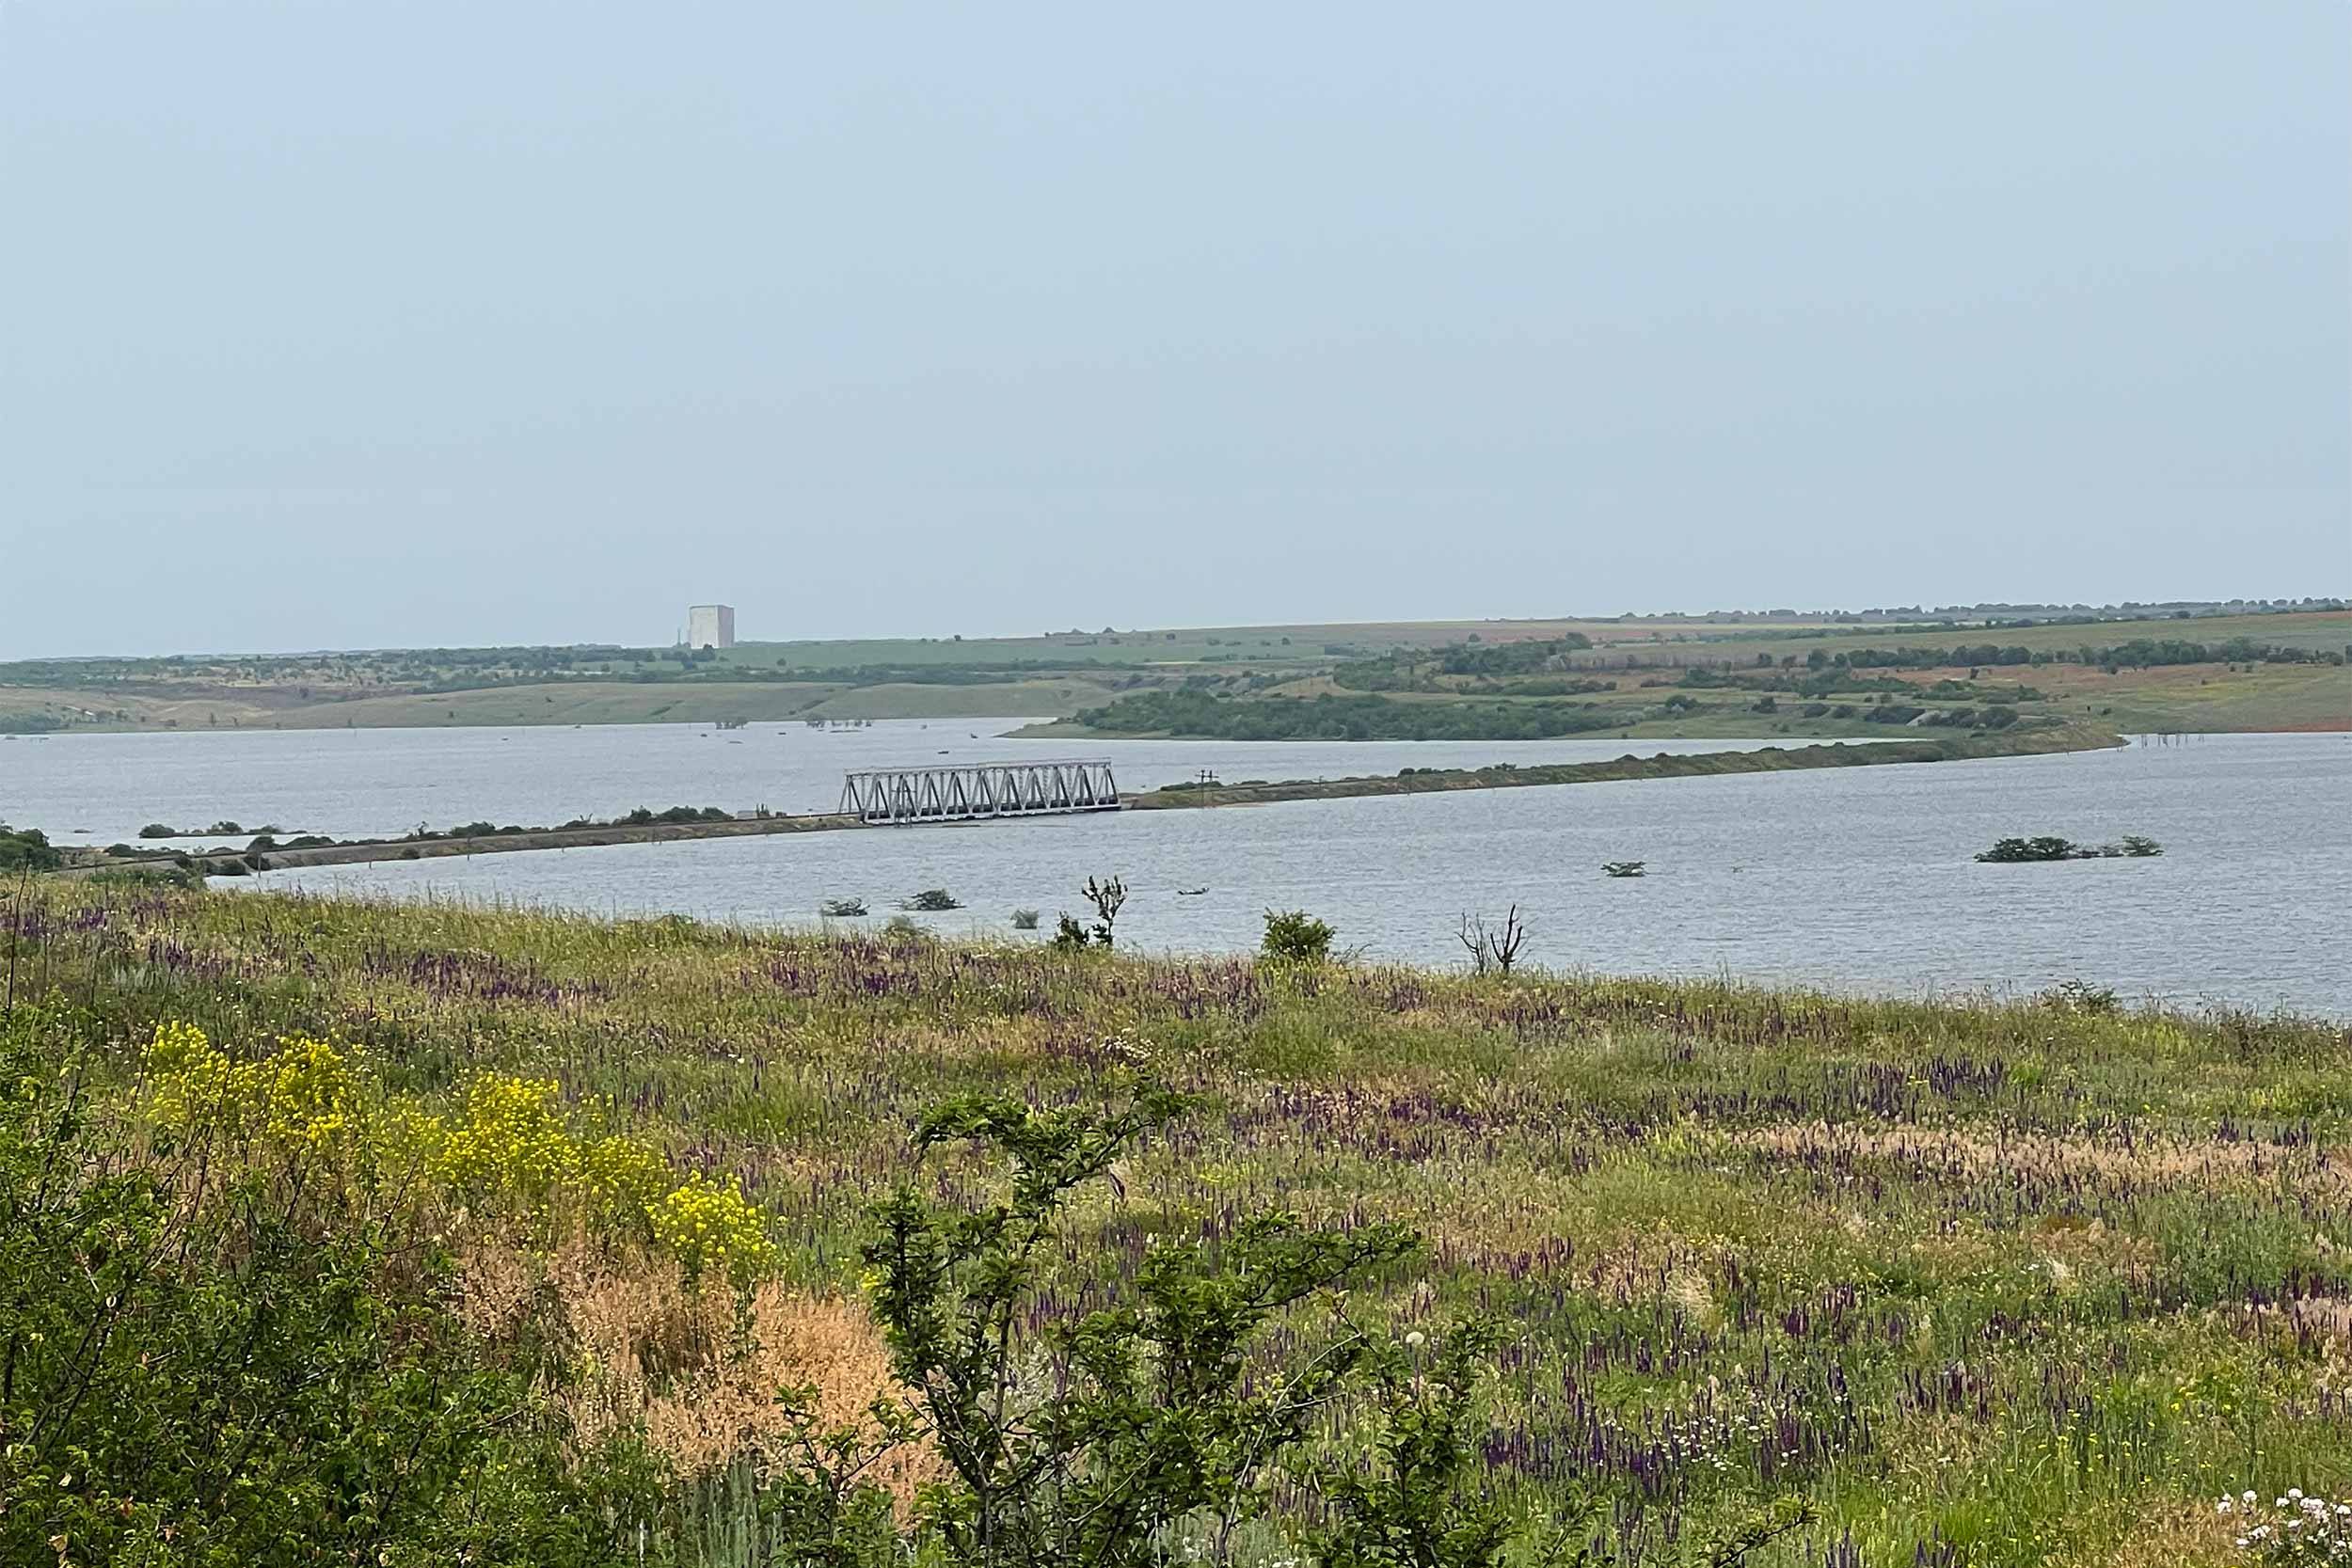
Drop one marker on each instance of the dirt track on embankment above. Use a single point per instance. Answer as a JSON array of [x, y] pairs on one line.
[[355, 853]]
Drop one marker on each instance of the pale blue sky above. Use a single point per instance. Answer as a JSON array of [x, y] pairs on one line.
[[353, 325]]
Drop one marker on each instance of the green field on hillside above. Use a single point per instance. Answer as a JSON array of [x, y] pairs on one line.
[[2318, 631], [2241, 679]]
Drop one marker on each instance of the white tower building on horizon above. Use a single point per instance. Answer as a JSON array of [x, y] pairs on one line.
[[710, 625]]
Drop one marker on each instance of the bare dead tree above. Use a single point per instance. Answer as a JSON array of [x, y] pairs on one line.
[[1473, 936], [1495, 947], [1506, 944]]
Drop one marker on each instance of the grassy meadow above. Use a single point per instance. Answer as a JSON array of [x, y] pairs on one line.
[[2014, 1282]]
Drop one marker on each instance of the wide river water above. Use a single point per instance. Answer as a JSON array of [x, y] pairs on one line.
[[1851, 879]]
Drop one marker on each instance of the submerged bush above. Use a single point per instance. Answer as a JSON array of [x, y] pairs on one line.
[[2052, 847]]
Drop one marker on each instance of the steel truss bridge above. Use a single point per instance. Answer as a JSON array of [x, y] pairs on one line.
[[901, 794]]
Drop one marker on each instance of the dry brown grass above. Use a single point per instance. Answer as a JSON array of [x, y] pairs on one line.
[[1954, 1152], [701, 1382], [2163, 1535]]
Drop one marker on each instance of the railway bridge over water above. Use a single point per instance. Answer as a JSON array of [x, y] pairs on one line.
[[978, 792]]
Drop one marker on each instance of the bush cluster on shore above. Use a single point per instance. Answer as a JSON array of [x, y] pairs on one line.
[[27, 849]]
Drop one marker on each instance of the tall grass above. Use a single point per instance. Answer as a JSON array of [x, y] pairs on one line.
[[2006, 1281]]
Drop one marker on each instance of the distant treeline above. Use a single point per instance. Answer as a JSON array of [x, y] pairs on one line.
[[701, 668], [2140, 652], [1841, 679], [1222, 717], [642, 817], [1405, 670], [265, 839], [1992, 716], [994, 674], [1331, 718]]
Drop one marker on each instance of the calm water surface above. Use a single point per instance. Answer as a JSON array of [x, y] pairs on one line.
[[366, 783], [1853, 878]]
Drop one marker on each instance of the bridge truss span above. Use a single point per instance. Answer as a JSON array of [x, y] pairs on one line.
[[976, 793]]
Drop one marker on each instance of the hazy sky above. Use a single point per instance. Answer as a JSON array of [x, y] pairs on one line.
[[403, 322]]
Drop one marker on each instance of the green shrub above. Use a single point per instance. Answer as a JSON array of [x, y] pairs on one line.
[[1108, 896], [164, 875], [27, 849], [1162, 1415], [1294, 936], [2079, 996], [267, 1369]]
